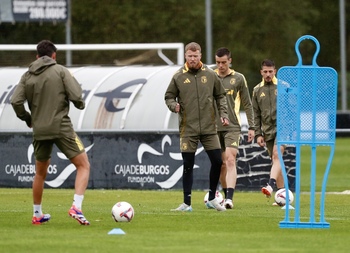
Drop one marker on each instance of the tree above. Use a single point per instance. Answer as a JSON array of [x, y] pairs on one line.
[[253, 30]]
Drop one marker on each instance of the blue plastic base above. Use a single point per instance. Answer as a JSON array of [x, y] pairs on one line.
[[286, 224], [290, 207]]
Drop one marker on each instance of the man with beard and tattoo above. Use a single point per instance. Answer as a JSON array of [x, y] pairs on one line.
[[192, 94]]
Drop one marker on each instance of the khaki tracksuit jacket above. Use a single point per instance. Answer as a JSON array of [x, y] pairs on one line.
[[196, 92], [264, 106], [47, 87], [237, 92]]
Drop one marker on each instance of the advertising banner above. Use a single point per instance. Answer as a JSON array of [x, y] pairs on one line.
[[132, 160], [33, 10]]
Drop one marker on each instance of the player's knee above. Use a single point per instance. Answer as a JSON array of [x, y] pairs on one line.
[[231, 161], [274, 155]]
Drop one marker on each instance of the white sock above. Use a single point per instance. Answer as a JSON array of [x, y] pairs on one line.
[[37, 211], [78, 201]]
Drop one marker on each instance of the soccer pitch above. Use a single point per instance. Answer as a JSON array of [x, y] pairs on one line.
[[252, 226]]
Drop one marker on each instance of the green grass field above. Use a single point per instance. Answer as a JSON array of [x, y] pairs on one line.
[[252, 226]]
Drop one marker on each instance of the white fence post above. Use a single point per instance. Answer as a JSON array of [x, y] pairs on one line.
[[129, 46]]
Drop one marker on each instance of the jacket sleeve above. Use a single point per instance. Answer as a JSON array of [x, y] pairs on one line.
[[220, 97], [257, 114], [17, 101], [171, 95], [247, 103], [73, 89]]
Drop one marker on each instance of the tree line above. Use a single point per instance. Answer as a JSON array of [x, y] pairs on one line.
[[252, 30]]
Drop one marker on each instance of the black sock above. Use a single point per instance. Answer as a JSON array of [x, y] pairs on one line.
[[272, 183], [215, 169], [187, 198], [230, 192], [225, 192], [187, 176]]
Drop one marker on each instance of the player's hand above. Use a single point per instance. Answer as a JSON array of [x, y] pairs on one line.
[[261, 142], [251, 134], [28, 121], [177, 107], [225, 121]]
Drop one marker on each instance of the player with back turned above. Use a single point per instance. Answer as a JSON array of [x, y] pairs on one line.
[[49, 88]]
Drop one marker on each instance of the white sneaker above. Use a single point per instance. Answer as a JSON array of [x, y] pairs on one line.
[[209, 205], [267, 190], [183, 208], [228, 204], [217, 205]]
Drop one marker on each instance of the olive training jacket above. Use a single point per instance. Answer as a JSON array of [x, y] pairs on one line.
[[197, 93], [47, 87], [264, 107], [237, 91]]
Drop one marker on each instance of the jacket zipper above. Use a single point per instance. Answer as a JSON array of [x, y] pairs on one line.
[[199, 111]]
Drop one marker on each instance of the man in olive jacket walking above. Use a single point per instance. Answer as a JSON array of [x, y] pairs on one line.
[[192, 93], [48, 88], [237, 91], [264, 101]]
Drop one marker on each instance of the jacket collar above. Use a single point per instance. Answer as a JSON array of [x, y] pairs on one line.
[[231, 73], [187, 69], [274, 81]]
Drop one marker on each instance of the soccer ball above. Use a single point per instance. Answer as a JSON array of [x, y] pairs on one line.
[[280, 197], [122, 212], [218, 196]]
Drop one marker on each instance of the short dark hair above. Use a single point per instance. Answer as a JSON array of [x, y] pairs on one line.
[[222, 51], [45, 47], [193, 46], [267, 63]]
